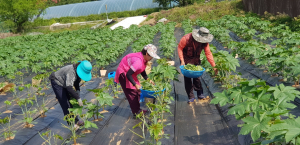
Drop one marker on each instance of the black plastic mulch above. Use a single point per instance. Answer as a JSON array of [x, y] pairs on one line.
[[117, 130], [201, 122], [53, 116], [56, 126], [249, 71], [198, 123]]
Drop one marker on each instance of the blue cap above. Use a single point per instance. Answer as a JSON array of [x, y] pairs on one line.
[[84, 70]]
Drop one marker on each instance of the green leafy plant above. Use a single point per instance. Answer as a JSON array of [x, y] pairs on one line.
[[149, 86], [88, 124], [155, 128], [15, 91], [168, 40], [19, 75], [7, 103], [219, 32], [146, 33], [93, 110], [232, 81], [163, 74], [2, 85], [95, 70], [42, 57], [7, 132], [187, 26], [102, 99], [242, 30], [50, 138], [113, 87], [26, 110], [296, 74], [40, 107], [193, 67], [71, 119], [44, 80], [78, 111], [226, 64], [261, 108]]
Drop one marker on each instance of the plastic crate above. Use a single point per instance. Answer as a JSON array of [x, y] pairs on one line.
[[191, 74]]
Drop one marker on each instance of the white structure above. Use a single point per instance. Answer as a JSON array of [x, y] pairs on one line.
[[129, 21]]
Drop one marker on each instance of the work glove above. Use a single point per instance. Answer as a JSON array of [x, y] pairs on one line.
[[80, 102]]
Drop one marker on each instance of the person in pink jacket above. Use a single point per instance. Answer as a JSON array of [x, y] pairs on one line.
[[130, 66]]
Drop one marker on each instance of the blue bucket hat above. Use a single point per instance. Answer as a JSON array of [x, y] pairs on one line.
[[84, 70]]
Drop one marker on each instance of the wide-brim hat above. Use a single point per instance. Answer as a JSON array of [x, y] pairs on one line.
[[202, 35], [151, 50], [84, 70]]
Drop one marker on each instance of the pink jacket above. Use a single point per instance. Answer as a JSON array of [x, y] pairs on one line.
[[136, 62]]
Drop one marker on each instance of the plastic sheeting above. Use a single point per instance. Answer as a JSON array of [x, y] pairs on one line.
[[201, 123], [53, 119], [126, 23], [115, 129], [97, 7]]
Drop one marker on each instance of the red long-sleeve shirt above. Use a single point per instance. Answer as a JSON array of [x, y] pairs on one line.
[[208, 53]]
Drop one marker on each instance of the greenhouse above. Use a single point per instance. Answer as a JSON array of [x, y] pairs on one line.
[[97, 7]]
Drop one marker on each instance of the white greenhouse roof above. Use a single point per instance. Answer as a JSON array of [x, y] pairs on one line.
[[96, 7]]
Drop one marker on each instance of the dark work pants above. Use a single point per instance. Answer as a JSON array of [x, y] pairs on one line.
[[191, 84], [132, 95], [63, 98]]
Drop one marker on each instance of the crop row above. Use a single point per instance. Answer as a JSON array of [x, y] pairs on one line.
[[282, 34], [33, 103], [44, 53], [168, 40], [259, 106], [101, 47], [148, 33], [280, 59]]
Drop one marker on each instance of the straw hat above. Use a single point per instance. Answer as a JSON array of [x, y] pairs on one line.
[[202, 35]]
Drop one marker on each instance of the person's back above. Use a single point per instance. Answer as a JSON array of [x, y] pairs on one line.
[[65, 76]]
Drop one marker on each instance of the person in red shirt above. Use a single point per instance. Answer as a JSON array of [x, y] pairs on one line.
[[189, 50]]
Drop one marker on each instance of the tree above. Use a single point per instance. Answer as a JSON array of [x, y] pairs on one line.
[[15, 13], [165, 3]]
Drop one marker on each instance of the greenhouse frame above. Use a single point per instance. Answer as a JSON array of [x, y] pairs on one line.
[[96, 7]]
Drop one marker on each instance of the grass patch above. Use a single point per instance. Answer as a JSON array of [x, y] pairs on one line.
[[149, 17], [46, 30], [206, 11]]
